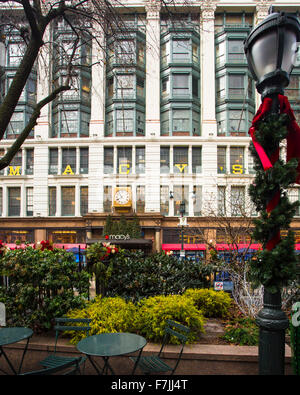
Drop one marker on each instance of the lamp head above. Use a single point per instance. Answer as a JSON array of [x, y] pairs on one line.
[[271, 49]]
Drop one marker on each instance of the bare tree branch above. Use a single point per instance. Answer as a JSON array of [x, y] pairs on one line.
[[6, 159]]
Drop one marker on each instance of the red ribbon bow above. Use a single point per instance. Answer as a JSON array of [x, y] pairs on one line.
[[293, 150], [293, 138]]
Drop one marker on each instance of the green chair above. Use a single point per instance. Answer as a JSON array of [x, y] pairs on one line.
[[66, 369], [54, 359], [155, 363]]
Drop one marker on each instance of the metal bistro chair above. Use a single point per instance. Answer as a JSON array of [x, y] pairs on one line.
[[154, 363], [72, 365], [54, 359]]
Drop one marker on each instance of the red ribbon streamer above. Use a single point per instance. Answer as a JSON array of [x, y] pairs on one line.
[[293, 149]]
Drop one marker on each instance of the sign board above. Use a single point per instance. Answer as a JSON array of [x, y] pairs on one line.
[[223, 286], [218, 285], [182, 254], [182, 221]]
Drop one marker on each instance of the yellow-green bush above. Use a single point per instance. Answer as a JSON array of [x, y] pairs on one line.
[[153, 312], [211, 303], [108, 315]]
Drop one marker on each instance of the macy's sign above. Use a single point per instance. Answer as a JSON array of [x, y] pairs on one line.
[[117, 237]]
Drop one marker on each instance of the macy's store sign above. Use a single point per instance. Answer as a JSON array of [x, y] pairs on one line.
[[117, 237]]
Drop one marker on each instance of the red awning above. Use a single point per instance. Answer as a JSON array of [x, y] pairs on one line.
[[69, 246], [221, 247], [65, 246], [187, 247]]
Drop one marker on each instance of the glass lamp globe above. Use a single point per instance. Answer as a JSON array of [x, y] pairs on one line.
[[271, 49]]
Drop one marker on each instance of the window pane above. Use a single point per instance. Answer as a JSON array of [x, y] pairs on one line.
[[52, 201], [53, 161], [196, 159], [140, 160], [29, 160], [236, 160], [124, 160], [17, 159], [125, 51], [164, 200], [67, 201], [16, 125], [236, 86], [107, 199], [197, 199], [180, 158], [221, 160], [69, 122], [108, 160], [165, 160], [15, 53], [84, 160], [83, 200], [181, 50], [220, 53], [29, 201], [181, 120], [165, 87], [68, 160], [164, 121], [236, 51], [221, 122], [124, 120], [140, 199], [221, 200], [140, 123], [180, 84], [181, 195], [237, 121], [237, 201], [14, 201], [125, 86]]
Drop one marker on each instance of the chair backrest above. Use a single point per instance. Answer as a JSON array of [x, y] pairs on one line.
[[63, 324], [74, 365], [178, 330]]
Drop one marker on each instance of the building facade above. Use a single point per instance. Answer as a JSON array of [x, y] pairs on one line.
[[160, 119]]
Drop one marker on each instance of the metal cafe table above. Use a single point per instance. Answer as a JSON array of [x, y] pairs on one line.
[[107, 345], [13, 335]]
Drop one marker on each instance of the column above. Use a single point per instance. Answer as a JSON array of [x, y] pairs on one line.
[[40, 180], [98, 84], [207, 50], [153, 69], [43, 87]]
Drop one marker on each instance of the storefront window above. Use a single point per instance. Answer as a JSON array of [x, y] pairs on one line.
[[67, 201]]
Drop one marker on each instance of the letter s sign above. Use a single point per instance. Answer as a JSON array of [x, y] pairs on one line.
[[296, 314]]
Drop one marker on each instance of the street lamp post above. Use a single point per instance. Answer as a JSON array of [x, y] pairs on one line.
[[182, 212], [271, 51]]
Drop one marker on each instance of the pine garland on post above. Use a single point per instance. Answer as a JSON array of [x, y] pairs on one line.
[[273, 267]]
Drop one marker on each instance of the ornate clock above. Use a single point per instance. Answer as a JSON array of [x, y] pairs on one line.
[[122, 197]]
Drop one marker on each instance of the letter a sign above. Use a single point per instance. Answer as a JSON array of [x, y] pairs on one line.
[[68, 170]]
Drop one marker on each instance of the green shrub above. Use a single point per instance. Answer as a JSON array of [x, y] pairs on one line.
[[43, 284], [135, 277], [211, 303], [154, 311], [107, 314], [242, 331]]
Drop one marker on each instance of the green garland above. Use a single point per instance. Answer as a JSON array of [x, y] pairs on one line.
[[276, 268]]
